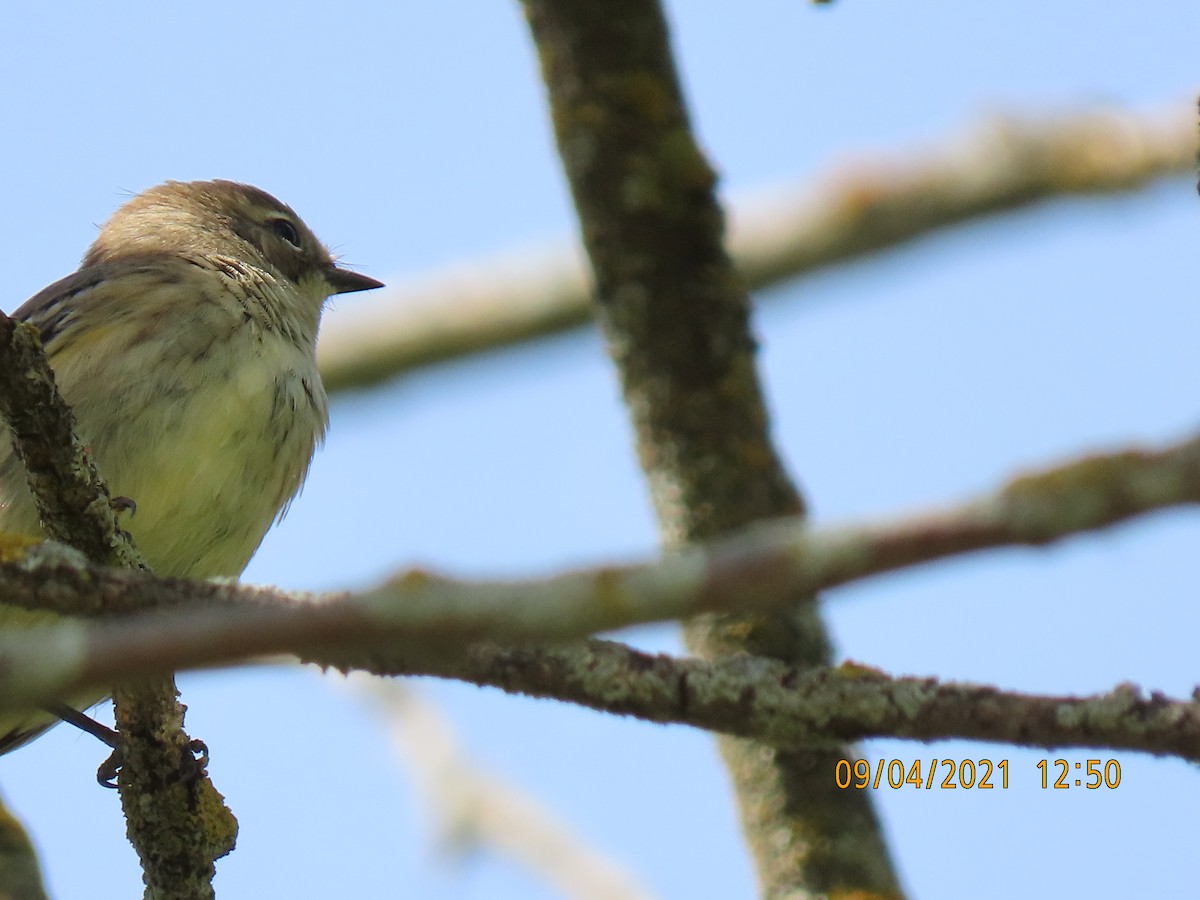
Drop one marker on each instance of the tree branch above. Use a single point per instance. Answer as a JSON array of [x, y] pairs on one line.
[[428, 617], [745, 696], [475, 807], [853, 209], [793, 709], [418, 623], [675, 313], [72, 501], [177, 826]]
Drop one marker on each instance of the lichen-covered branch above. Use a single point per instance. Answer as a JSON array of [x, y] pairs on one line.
[[781, 706], [788, 708], [177, 826], [72, 501], [428, 617], [418, 623], [864, 205], [675, 313]]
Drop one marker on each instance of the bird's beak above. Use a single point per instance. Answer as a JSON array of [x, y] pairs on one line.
[[343, 281]]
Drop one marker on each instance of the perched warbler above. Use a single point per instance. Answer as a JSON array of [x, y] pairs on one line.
[[186, 346]]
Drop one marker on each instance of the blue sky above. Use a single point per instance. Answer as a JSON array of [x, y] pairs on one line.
[[411, 135]]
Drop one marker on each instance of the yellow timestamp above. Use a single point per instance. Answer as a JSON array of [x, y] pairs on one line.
[[1092, 774], [944, 774]]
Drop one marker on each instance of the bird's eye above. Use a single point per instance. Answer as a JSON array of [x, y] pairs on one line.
[[286, 230]]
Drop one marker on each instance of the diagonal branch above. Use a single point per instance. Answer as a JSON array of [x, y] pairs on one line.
[[177, 827], [751, 697], [429, 617], [785, 707], [854, 209], [419, 624], [477, 808]]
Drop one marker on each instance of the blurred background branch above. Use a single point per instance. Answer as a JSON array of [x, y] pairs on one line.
[[477, 810], [864, 204]]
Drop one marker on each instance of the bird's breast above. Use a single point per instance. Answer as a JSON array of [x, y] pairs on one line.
[[211, 450]]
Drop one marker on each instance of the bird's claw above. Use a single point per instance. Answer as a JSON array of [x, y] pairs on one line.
[[190, 770], [123, 504]]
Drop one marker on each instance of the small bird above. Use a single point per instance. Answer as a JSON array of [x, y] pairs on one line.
[[186, 346]]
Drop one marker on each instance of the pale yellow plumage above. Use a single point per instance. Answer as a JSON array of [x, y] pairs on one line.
[[186, 346]]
